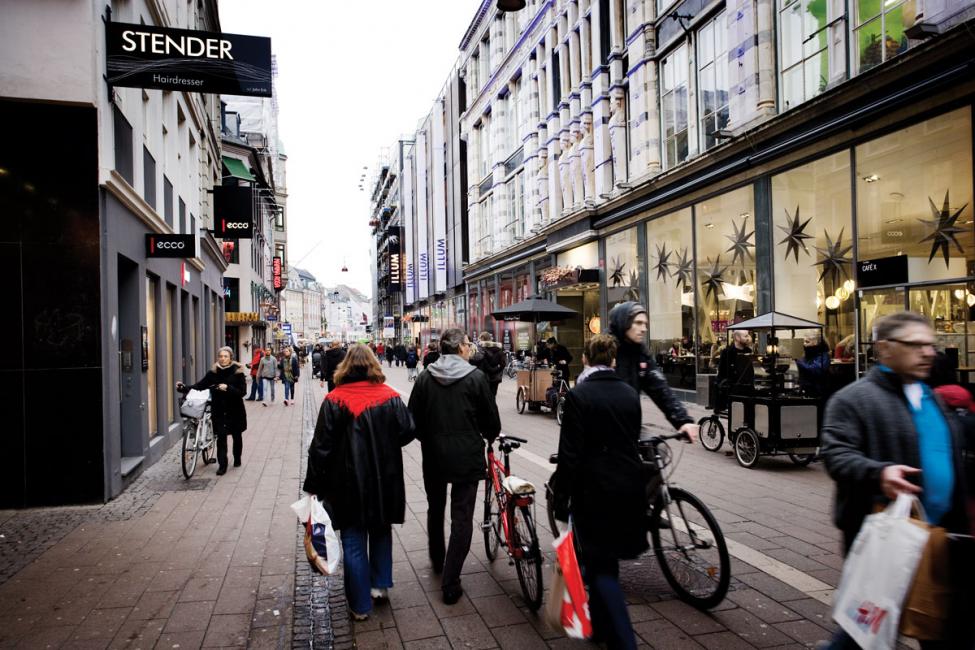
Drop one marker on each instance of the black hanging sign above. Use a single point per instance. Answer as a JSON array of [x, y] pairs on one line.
[[145, 56], [183, 246], [885, 271], [233, 212], [276, 274]]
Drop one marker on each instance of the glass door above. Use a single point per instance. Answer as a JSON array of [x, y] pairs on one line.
[[949, 306], [874, 304]]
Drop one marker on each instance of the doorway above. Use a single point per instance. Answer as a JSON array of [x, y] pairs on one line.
[[129, 359]]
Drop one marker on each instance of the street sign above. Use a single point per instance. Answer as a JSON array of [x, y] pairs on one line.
[[180, 246], [276, 278], [146, 56], [881, 272], [233, 212]]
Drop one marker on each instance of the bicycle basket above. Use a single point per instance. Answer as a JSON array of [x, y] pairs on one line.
[[195, 404]]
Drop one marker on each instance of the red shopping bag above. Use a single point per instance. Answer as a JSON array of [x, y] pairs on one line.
[[575, 603]]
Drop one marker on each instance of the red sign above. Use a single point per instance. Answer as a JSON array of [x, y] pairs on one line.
[[276, 279]]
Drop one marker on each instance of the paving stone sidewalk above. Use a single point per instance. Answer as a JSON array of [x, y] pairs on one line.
[[171, 563], [760, 611]]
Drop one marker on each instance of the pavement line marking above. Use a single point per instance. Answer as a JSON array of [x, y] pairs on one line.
[[799, 580]]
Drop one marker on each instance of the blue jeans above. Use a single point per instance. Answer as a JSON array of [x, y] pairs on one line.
[[270, 383], [607, 605], [289, 389], [366, 569], [257, 389]]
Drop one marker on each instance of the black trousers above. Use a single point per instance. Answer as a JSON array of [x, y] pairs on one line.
[[222, 447], [462, 500], [331, 385]]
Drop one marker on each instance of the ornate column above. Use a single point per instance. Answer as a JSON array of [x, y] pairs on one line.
[[765, 37], [600, 103]]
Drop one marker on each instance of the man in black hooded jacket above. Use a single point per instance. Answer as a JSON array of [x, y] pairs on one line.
[[628, 322]]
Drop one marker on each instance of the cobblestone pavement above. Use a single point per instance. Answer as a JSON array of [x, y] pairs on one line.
[[776, 518], [208, 562]]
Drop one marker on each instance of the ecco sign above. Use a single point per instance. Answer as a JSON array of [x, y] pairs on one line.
[[233, 210], [145, 56], [183, 246]]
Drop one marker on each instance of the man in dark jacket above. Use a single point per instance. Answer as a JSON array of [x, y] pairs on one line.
[[888, 433], [628, 323], [561, 357], [454, 412], [490, 360], [333, 357]]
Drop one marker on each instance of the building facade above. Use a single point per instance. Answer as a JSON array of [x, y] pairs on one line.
[[346, 314], [302, 306], [95, 316], [716, 160]]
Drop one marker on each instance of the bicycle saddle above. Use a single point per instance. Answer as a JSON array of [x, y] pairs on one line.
[[514, 485]]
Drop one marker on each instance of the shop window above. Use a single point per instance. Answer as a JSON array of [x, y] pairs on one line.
[[807, 58], [674, 106], [148, 177], [149, 350], [623, 261], [123, 145], [914, 197], [878, 31], [670, 277], [812, 229], [725, 261], [170, 352], [515, 228], [712, 65]]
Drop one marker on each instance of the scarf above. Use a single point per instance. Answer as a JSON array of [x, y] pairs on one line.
[[590, 370]]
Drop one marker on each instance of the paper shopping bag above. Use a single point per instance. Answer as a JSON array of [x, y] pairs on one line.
[[556, 596], [878, 573], [925, 612], [574, 618], [322, 546]]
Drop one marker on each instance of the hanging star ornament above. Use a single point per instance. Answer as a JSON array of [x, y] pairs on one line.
[[740, 243], [713, 277], [795, 234], [834, 256], [683, 270], [617, 275], [662, 267], [945, 230]]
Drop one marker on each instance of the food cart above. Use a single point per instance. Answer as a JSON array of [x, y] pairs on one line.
[[534, 383], [774, 416]]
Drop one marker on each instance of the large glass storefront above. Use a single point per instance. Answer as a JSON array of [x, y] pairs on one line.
[[900, 203]]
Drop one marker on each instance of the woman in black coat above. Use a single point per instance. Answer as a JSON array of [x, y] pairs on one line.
[[355, 466], [601, 473], [227, 384]]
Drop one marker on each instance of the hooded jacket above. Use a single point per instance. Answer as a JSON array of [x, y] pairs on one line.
[[454, 412], [355, 462], [635, 365], [226, 406], [333, 357], [867, 426], [490, 360]]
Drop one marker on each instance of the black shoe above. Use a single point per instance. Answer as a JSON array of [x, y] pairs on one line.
[[237, 463], [452, 595], [221, 471], [249, 399]]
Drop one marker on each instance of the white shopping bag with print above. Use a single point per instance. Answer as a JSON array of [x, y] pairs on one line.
[[878, 573], [322, 546]]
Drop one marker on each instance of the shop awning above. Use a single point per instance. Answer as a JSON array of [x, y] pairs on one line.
[[534, 310], [238, 169], [775, 320]]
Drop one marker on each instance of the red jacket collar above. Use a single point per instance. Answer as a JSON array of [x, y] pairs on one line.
[[361, 395]]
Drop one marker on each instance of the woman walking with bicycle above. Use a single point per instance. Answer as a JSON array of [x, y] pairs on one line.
[[227, 384], [601, 475], [355, 466]]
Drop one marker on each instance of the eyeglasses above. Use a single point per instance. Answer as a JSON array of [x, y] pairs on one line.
[[914, 345]]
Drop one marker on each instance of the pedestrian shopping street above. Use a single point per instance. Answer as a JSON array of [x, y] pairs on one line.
[[218, 562]]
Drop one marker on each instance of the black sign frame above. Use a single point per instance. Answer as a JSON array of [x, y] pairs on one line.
[[882, 272], [277, 271], [170, 246], [164, 58], [233, 212]]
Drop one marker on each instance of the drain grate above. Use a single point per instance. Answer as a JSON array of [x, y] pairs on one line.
[[178, 484]]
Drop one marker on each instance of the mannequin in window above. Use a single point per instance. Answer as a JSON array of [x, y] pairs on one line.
[[587, 158], [617, 139], [565, 175], [541, 183], [575, 165]]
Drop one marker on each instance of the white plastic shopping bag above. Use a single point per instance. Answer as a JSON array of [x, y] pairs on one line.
[[322, 545], [878, 573]]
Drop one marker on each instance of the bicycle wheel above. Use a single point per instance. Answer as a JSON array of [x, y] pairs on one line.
[[491, 527], [747, 448], [691, 549], [526, 554], [802, 460], [560, 410], [208, 451], [712, 432], [520, 400], [190, 450], [553, 523]]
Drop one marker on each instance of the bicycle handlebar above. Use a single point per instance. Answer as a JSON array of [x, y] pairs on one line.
[[680, 435]]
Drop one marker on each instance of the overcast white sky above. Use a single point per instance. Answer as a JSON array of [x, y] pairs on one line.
[[353, 76]]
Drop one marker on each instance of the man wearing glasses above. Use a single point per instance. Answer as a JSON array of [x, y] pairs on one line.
[[888, 433]]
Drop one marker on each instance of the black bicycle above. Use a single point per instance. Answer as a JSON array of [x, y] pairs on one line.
[[687, 540]]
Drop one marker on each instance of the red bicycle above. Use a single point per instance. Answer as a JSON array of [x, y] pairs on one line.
[[509, 520]]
